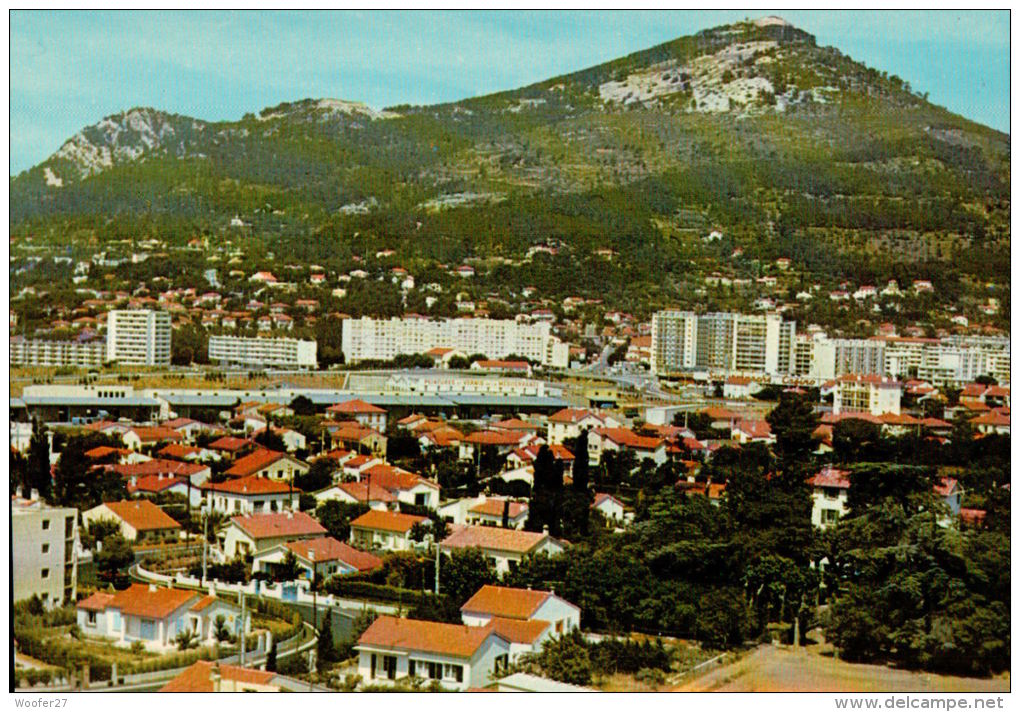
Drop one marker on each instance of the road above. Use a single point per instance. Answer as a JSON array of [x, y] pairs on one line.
[[780, 669]]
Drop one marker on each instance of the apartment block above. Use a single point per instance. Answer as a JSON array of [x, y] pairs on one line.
[[138, 337], [383, 339], [746, 343], [866, 394], [43, 542], [263, 352], [40, 352]]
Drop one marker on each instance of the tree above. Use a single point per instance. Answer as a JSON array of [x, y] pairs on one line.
[[271, 658], [37, 469], [190, 345], [856, 440], [336, 517], [459, 363], [220, 630], [270, 439], [114, 556], [288, 568], [547, 494], [303, 405], [793, 421], [579, 472], [566, 659], [463, 572], [325, 647], [186, 639], [77, 485], [318, 477]]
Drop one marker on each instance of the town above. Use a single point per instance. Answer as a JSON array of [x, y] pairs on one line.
[[409, 526]]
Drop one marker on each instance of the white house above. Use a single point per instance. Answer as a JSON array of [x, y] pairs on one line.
[[155, 616], [369, 415], [359, 493], [247, 495], [455, 656], [830, 490], [140, 520], [389, 531], [503, 547], [866, 394], [490, 512], [611, 508], [502, 602], [620, 439], [246, 536], [328, 556], [569, 422], [271, 464]]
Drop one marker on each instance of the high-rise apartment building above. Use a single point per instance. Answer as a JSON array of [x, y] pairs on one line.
[[262, 352], [44, 546], [138, 337], [41, 352], [383, 339], [747, 343]]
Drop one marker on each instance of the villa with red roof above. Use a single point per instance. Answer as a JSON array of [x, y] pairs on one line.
[[328, 556], [611, 508], [406, 486], [140, 520], [138, 437], [259, 532], [388, 531], [456, 657], [206, 676], [622, 439], [503, 547], [369, 415], [375, 497], [278, 466], [830, 491], [248, 495], [490, 512], [155, 616], [568, 423], [510, 607]]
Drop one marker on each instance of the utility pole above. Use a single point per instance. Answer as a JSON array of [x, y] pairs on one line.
[[205, 544], [437, 568], [244, 641]]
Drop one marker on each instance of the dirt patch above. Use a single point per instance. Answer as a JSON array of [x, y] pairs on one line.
[[775, 669]]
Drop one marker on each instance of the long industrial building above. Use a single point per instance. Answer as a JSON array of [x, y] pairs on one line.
[[384, 339], [262, 352]]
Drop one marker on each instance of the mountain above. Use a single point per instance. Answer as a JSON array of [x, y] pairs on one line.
[[786, 147]]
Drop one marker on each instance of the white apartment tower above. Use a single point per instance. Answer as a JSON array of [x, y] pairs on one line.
[[138, 337], [262, 352], [383, 339], [744, 343], [44, 546]]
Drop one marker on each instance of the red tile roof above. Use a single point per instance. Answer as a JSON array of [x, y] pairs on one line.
[[572, 415], [179, 451], [517, 631], [513, 540], [142, 515], [459, 641], [329, 549], [628, 438], [387, 521], [256, 462], [156, 434], [831, 477], [504, 438], [355, 405], [155, 484], [272, 525], [359, 492], [250, 486], [198, 677], [506, 602], [141, 600], [158, 467], [494, 508], [98, 601], [229, 443]]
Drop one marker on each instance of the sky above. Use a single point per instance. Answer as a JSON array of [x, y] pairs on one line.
[[69, 69]]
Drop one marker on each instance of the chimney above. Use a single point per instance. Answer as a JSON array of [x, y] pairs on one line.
[[152, 587], [215, 677], [33, 494], [290, 514], [545, 529]]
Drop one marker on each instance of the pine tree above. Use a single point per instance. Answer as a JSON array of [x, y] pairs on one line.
[[580, 470], [37, 471], [326, 647], [271, 658]]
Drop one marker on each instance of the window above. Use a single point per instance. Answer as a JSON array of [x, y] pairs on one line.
[[559, 626], [389, 663], [420, 499], [502, 663], [435, 670], [454, 672], [45, 548], [45, 573], [410, 668], [371, 674], [830, 516], [45, 525], [90, 618]]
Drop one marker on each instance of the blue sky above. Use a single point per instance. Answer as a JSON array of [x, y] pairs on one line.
[[70, 69]]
